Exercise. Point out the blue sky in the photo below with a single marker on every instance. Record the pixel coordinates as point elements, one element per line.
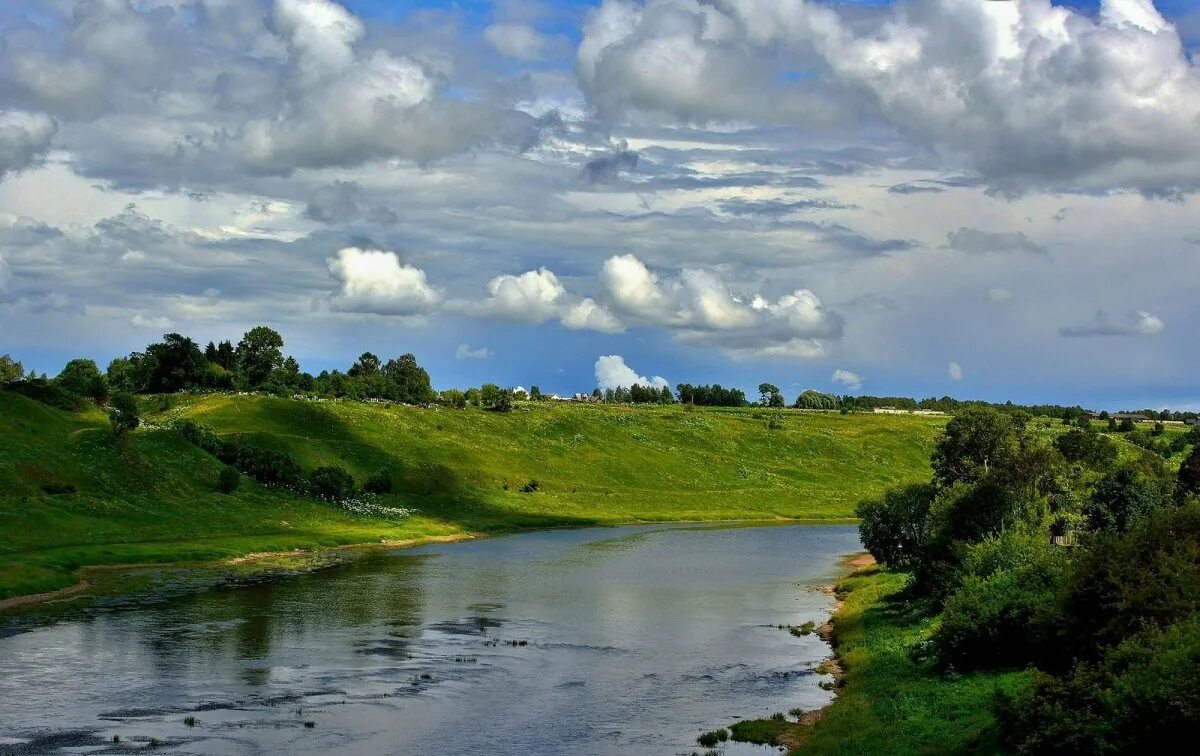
<point>992,200</point>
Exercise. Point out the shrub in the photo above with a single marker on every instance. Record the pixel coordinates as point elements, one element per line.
<point>267,466</point>
<point>711,739</point>
<point>893,527</point>
<point>46,392</point>
<point>1088,448</point>
<point>56,489</point>
<point>331,483</point>
<point>531,487</point>
<point>228,480</point>
<point>82,378</point>
<point>1126,496</point>
<point>123,414</point>
<point>1143,697</point>
<point>199,435</point>
<point>380,482</point>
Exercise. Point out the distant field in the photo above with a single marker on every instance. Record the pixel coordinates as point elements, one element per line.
<point>153,498</point>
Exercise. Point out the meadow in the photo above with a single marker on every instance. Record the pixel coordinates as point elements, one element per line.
<point>74,496</point>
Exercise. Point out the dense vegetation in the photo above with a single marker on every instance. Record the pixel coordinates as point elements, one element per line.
<point>1074,554</point>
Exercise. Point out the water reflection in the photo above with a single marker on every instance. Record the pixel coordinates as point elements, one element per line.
<point>581,642</point>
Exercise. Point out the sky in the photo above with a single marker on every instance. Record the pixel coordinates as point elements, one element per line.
<point>991,199</point>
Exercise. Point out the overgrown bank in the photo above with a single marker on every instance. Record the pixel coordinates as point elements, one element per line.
<point>72,494</point>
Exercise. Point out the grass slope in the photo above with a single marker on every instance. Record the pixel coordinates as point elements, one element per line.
<point>890,703</point>
<point>152,497</point>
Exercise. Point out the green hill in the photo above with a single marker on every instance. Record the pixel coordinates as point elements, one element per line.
<point>152,497</point>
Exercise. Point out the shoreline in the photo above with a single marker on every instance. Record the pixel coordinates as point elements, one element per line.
<point>83,583</point>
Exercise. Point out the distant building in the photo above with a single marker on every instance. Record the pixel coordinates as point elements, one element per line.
<point>894,411</point>
<point>1135,417</point>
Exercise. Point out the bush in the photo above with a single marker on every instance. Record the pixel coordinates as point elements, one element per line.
<point>228,480</point>
<point>1143,697</point>
<point>711,739</point>
<point>1126,496</point>
<point>893,527</point>
<point>531,487</point>
<point>199,435</point>
<point>123,414</point>
<point>331,483</point>
<point>267,466</point>
<point>51,394</point>
<point>380,482</point>
<point>1003,612</point>
<point>1088,448</point>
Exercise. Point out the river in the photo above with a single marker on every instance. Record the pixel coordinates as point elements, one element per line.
<point>596,641</point>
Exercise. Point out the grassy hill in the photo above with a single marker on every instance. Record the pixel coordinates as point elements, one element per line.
<point>152,497</point>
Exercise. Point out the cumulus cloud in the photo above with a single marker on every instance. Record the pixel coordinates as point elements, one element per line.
<point>374,281</point>
<point>974,241</point>
<point>520,41</point>
<point>852,381</point>
<point>955,371</point>
<point>1030,94</point>
<point>700,308</point>
<point>24,139</point>
<point>532,297</point>
<point>612,372</point>
<point>588,314</point>
<point>465,352</point>
<point>1139,323</point>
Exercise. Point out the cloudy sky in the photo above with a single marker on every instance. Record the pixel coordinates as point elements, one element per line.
<point>982,198</point>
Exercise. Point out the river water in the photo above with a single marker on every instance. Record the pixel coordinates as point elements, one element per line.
<point>597,641</point>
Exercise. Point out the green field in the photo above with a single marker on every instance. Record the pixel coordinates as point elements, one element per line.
<point>153,498</point>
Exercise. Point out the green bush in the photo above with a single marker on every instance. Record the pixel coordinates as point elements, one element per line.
<point>123,414</point>
<point>46,392</point>
<point>331,483</point>
<point>228,480</point>
<point>893,527</point>
<point>1142,697</point>
<point>380,482</point>
<point>199,435</point>
<point>267,466</point>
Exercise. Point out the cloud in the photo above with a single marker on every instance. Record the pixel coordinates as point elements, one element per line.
<point>24,139</point>
<point>955,371</point>
<point>532,297</point>
<point>1028,94</point>
<point>612,372</point>
<point>608,168</point>
<point>5,274</point>
<point>700,309</point>
<point>1139,323</point>
<point>589,315</point>
<point>999,296</point>
<point>974,241</point>
<point>852,381</point>
<point>159,323</point>
<point>465,352</point>
<point>374,281</point>
<point>519,41</point>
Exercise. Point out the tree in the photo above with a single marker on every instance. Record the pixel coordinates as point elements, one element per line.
<point>123,414</point>
<point>258,354</point>
<point>1127,496</point>
<point>174,364</point>
<point>892,527</point>
<point>331,483</point>
<point>504,401</point>
<point>975,440</point>
<point>535,394</point>
<point>10,369</point>
<point>489,393</point>
<point>409,381</point>
<point>765,393</point>
<point>367,365</point>
<point>1189,474</point>
<point>1126,425</point>
<point>82,378</point>
<point>228,480</point>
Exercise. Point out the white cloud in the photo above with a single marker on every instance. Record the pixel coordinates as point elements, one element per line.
<point>465,352</point>
<point>612,372</point>
<point>955,371</point>
<point>24,139</point>
<point>852,381</point>
<point>155,323</point>
<point>589,315</point>
<point>532,297</point>
<point>519,41</point>
<point>1139,323</point>
<point>1031,94</point>
<point>999,296</point>
<point>374,281</point>
<point>5,274</point>
<point>700,308</point>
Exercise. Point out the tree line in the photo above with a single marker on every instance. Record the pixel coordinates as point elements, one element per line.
<point>1061,556</point>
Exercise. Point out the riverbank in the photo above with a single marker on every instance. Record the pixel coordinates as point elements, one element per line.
<point>72,496</point>
<point>890,700</point>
